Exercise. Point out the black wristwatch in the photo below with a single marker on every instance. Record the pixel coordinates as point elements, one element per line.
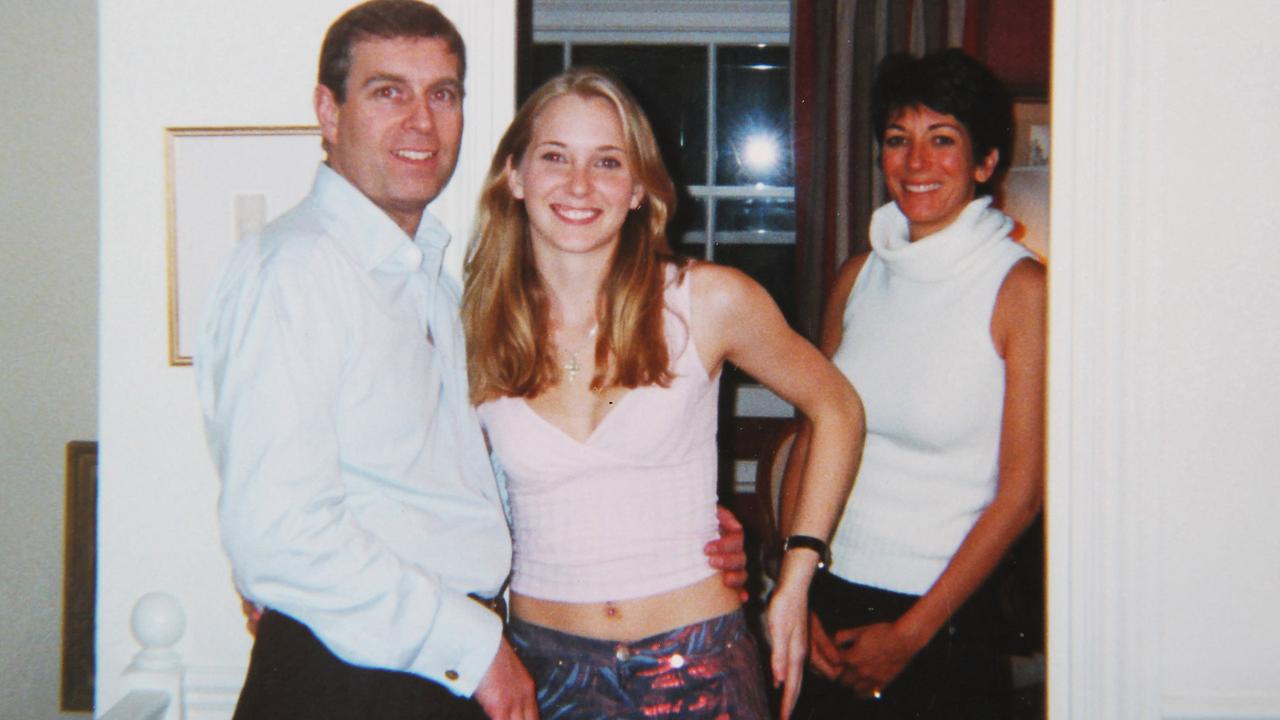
<point>809,542</point>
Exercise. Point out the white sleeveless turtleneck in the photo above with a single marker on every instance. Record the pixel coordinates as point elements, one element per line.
<point>917,345</point>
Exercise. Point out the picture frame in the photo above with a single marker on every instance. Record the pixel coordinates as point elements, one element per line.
<point>1031,140</point>
<point>1025,193</point>
<point>222,183</point>
<point>79,576</point>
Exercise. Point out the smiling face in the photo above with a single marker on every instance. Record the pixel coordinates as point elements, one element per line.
<point>929,168</point>
<point>575,178</point>
<point>396,137</point>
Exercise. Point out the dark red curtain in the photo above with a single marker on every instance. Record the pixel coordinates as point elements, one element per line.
<point>835,46</point>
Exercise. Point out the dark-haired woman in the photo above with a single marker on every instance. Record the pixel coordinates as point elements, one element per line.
<point>941,326</point>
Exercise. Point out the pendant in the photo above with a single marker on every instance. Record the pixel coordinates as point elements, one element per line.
<point>571,368</point>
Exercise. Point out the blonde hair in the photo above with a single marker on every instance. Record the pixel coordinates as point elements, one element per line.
<point>505,310</point>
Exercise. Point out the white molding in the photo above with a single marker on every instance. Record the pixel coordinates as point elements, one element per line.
<point>1103,579</point>
<point>490,31</point>
<point>1225,707</point>
<point>662,21</point>
<point>210,692</point>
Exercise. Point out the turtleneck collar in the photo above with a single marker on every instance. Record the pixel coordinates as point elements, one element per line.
<point>943,253</point>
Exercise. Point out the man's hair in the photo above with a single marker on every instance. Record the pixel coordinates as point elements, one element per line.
<point>952,83</point>
<point>505,309</point>
<point>388,19</point>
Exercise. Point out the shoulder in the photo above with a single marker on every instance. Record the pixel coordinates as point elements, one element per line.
<point>849,271</point>
<point>850,268</point>
<point>291,261</point>
<point>299,247</point>
<point>1021,304</point>
<point>721,291</point>
<point>1026,282</point>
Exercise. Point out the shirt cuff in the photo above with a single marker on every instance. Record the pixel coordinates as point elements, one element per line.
<point>463,641</point>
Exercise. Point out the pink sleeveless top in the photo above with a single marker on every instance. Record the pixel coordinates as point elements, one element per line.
<point>625,513</point>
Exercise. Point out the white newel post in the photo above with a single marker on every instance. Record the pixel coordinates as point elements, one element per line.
<point>158,622</point>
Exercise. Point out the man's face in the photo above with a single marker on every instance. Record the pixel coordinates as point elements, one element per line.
<point>396,137</point>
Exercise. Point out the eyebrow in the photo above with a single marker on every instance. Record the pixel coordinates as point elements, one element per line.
<point>384,77</point>
<point>400,79</point>
<point>562,144</point>
<point>935,126</point>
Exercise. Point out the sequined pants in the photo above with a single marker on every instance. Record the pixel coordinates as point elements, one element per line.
<point>705,670</point>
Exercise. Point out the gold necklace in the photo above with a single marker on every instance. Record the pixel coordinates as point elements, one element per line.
<point>572,367</point>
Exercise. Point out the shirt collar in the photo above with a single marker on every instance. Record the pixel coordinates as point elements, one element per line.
<point>367,234</point>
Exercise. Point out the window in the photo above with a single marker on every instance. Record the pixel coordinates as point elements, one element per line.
<point>714,79</point>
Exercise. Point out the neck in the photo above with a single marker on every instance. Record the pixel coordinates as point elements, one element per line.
<point>573,286</point>
<point>408,223</point>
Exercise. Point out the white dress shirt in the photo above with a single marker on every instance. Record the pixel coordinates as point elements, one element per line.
<point>357,494</point>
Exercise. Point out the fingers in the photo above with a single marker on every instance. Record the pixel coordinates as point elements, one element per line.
<point>727,555</point>
<point>252,614</point>
<point>730,543</point>
<point>848,636</point>
<point>824,656</point>
<point>863,686</point>
<point>729,523</point>
<point>506,691</point>
<point>791,686</point>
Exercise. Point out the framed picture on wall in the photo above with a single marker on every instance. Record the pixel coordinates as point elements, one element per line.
<point>1031,133</point>
<point>1025,195</point>
<point>223,183</point>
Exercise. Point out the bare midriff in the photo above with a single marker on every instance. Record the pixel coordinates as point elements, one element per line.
<point>631,619</point>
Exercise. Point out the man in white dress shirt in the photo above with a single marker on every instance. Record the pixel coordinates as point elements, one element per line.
<point>358,504</point>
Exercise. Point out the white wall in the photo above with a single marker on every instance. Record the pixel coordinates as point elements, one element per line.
<point>195,63</point>
<point>48,323</point>
<point>1165,352</point>
<point>1221,323</point>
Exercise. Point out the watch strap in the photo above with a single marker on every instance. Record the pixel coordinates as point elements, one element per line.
<point>809,542</point>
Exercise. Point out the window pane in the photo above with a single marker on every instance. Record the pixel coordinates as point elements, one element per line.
<point>548,61</point>
<point>773,266</point>
<point>670,81</point>
<point>757,215</point>
<point>688,232</point>
<point>753,116</point>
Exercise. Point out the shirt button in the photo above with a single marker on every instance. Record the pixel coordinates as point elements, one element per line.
<point>451,674</point>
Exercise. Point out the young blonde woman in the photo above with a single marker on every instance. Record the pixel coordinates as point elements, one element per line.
<point>594,356</point>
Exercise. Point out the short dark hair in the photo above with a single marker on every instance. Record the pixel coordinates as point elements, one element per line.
<point>952,83</point>
<point>387,19</point>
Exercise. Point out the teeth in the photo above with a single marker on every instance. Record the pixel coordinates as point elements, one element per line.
<point>415,154</point>
<point>573,214</point>
<point>923,188</point>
